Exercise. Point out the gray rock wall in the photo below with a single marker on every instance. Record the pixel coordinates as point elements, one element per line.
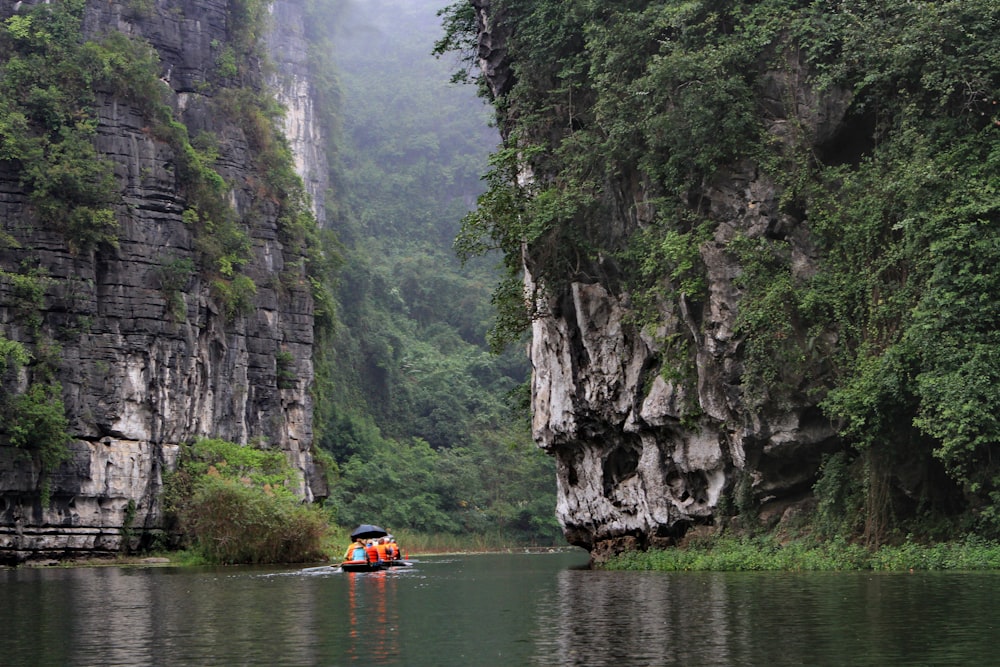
<point>140,371</point>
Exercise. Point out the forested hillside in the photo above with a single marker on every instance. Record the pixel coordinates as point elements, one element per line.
<point>424,425</point>
<point>833,168</point>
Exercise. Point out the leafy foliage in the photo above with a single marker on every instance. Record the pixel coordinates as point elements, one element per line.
<point>35,419</point>
<point>47,124</point>
<point>235,506</point>
<point>233,523</point>
<point>39,423</point>
<point>649,95</point>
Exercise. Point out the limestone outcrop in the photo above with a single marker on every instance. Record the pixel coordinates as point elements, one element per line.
<point>147,357</point>
<point>643,456</point>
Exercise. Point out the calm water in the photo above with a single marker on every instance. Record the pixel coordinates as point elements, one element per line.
<point>494,610</point>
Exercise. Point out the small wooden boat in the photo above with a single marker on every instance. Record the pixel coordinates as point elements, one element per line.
<point>361,566</point>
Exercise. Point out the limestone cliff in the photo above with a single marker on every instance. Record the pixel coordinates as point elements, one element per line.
<point>145,351</point>
<point>288,47</point>
<point>644,452</point>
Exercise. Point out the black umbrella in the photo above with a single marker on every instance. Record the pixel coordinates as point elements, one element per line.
<point>366,530</point>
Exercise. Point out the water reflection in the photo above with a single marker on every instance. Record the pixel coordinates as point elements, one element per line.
<point>510,609</point>
<point>122,614</point>
<point>373,613</point>
<point>630,618</point>
<point>641,618</point>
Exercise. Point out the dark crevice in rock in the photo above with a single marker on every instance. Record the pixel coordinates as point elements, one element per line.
<point>619,465</point>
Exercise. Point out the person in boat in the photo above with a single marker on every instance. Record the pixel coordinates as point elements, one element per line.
<point>356,552</point>
<point>372,552</point>
<point>383,552</point>
<point>391,548</point>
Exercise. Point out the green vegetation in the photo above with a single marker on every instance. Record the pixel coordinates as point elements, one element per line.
<point>175,276</point>
<point>35,417</point>
<point>767,553</point>
<point>415,543</point>
<point>47,123</point>
<point>236,504</point>
<point>424,425</point>
<point>895,333</point>
<point>36,422</point>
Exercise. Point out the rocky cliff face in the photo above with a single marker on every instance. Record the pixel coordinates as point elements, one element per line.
<point>145,365</point>
<point>288,48</point>
<point>641,458</point>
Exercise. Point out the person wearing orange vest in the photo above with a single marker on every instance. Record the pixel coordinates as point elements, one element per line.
<point>356,552</point>
<point>382,551</point>
<point>372,551</point>
<point>392,549</point>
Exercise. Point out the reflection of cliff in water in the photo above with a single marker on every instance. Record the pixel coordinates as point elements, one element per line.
<point>607,618</point>
<point>494,610</point>
<point>761,618</point>
<point>136,617</point>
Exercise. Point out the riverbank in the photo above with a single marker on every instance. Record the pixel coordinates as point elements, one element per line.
<point>716,554</point>
<point>415,545</point>
<point>762,553</point>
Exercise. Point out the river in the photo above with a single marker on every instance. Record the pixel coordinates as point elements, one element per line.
<point>496,609</point>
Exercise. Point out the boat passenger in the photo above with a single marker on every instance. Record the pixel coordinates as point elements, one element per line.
<point>356,552</point>
<point>382,551</point>
<point>390,554</point>
<point>372,552</point>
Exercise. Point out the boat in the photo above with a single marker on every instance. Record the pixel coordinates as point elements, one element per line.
<point>361,566</point>
<point>361,562</point>
<point>373,566</point>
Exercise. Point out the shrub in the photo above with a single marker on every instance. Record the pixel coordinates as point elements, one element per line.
<point>233,504</point>
<point>236,295</point>
<point>232,522</point>
<point>285,369</point>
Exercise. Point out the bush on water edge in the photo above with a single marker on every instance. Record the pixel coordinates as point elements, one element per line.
<point>766,553</point>
<point>234,504</point>
<point>235,523</point>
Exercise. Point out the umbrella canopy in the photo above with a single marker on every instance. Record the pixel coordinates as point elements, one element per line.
<point>366,530</point>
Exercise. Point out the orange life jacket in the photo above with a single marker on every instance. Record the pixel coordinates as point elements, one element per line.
<point>381,551</point>
<point>372,553</point>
